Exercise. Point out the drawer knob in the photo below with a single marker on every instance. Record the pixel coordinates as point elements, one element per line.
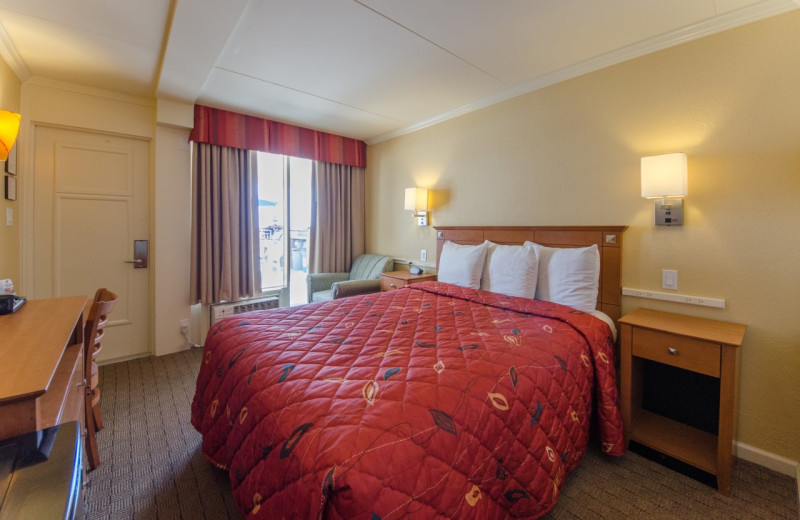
<point>672,351</point>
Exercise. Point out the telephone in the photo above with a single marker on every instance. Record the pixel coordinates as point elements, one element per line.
<point>415,270</point>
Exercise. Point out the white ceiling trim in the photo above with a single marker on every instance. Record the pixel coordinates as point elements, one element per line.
<point>715,25</point>
<point>12,57</point>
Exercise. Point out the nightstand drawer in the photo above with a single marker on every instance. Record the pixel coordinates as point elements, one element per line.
<point>390,284</point>
<point>678,351</point>
<point>397,279</point>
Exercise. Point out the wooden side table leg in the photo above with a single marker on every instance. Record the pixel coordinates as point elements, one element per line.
<point>727,387</point>
<point>626,357</point>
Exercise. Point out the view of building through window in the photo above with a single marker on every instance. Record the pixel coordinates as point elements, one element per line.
<point>284,203</point>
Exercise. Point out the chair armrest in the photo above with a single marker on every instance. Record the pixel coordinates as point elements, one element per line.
<point>320,281</point>
<point>354,287</point>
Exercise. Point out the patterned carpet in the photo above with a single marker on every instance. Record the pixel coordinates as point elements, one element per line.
<point>151,466</point>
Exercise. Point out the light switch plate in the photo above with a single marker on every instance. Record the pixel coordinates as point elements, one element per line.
<point>669,279</point>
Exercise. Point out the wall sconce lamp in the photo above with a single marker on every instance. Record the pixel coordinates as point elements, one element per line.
<point>417,201</point>
<point>9,128</point>
<point>666,176</point>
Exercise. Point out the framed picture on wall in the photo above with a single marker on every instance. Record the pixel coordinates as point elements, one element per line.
<point>11,162</point>
<point>11,188</point>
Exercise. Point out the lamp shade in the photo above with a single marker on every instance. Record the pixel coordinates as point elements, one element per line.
<point>416,199</point>
<point>664,176</point>
<point>9,127</point>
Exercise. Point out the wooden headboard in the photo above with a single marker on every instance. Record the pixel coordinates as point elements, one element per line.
<point>607,238</point>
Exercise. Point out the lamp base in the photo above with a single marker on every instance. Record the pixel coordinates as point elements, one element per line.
<point>669,213</point>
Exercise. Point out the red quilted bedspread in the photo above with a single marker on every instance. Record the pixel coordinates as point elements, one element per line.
<point>427,402</point>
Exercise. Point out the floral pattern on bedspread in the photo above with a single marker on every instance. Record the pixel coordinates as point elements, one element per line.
<point>432,401</point>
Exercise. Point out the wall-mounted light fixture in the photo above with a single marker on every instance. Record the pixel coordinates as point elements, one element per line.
<point>665,176</point>
<point>9,128</point>
<point>417,201</point>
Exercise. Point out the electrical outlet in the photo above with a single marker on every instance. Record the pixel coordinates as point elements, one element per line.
<point>423,255</point>
<point>184,326</point>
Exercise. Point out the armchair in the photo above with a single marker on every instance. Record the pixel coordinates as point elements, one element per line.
<point>364,277</point>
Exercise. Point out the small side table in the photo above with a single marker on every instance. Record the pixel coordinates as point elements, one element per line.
<point>396,279</point>
<point>698,345</point>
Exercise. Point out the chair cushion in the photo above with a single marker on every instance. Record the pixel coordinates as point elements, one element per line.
<point>322,296</point>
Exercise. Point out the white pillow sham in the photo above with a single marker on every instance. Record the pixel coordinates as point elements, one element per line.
<point>511,270</point>
<point>569,276</point>
<point>462,264</point>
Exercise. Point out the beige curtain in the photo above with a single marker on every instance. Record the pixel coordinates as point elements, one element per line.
<point>337,231</point>
<point>224,225</point>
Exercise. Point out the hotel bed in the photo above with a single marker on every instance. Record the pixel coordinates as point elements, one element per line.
<point>438,400</point>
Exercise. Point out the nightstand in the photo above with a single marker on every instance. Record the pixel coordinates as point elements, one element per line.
<point>696,345</point>
<point>396,279</point>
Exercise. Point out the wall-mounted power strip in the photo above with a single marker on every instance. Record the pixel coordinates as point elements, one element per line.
<point>672,297</point>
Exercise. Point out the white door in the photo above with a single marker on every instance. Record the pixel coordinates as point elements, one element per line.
<point>90,204</point>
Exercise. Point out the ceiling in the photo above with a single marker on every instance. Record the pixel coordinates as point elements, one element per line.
<point>369,69</point>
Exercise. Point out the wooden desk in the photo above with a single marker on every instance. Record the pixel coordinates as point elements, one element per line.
<point>41,375</point>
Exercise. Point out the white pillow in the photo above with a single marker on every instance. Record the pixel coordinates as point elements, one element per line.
<point>569,276</point>
<point>461,264</point>
<point>511,270</point>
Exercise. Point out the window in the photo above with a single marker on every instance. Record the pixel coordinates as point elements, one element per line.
<point>284,203</point>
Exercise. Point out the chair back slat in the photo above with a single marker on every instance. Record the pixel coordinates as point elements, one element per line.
<point>94,332</point>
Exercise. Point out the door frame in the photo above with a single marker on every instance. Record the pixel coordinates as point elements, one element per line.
<point>26,216</point>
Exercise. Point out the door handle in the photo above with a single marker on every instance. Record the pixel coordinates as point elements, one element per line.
<point>139,254</point>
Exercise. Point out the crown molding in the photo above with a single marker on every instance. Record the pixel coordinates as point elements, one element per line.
<point>686,34</point>
<point>85,90</point>
<point>12,57</point>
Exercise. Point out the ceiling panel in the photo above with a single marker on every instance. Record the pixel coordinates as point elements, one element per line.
<point>363,60</point>
<point>529,38</point>
<point>140,22</point>
<point>60,52</point>
<point>282,104</point>
<point>197,36</point>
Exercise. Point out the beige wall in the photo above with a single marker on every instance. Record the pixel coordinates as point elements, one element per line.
<point>9,235</point>
<point>172,215</point>
<point>56,103</point>
<point>569,154</point>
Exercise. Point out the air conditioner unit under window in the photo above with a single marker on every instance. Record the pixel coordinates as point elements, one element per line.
<point>223,310</point>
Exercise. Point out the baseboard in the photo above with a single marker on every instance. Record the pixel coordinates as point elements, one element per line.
<point>124,358</point>
<point>768,460</point>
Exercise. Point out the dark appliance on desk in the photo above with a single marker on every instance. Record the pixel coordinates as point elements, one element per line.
<point>10,303</point>
<point>41,475</point>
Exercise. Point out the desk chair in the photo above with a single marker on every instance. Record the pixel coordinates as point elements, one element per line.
<point>104,302</point>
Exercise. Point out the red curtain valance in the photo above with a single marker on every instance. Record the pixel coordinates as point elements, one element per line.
<point>224,128</point>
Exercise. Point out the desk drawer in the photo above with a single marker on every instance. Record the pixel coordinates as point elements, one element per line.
<point>678,351</point>
<point>76,392</point>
